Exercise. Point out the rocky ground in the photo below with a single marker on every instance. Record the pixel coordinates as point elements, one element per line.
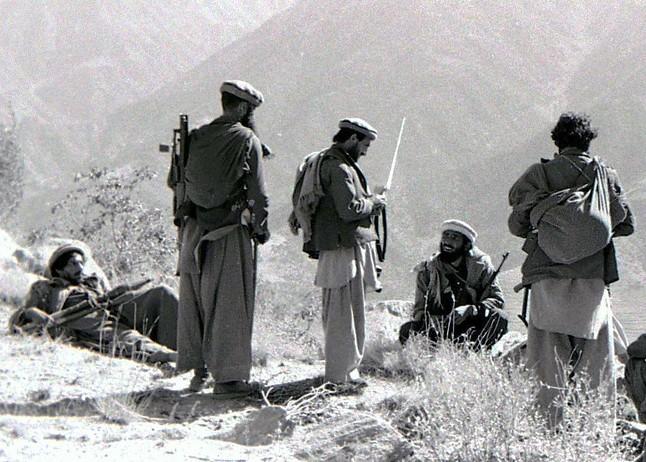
<point>57,402</point>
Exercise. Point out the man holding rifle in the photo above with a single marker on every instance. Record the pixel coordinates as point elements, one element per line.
<point>342,240</point>
<point>225,212</point>
<point>457,295</point>
<point>124,321</point>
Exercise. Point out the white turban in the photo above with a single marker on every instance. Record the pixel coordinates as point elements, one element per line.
<point>460,227</point>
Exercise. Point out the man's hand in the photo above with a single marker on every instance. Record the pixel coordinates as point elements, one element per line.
<point>38,316</point>
<point>294,225</point>
<point>378,203</point>
<point>461,313</point>
<point>262,238</point>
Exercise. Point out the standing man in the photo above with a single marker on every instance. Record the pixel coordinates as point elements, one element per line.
<point>570,328</point>
<point>342,239</point>
<point>457,295</point>
<point>227,210</point>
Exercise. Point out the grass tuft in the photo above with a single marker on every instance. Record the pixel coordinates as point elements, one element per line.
<point>461,405</point>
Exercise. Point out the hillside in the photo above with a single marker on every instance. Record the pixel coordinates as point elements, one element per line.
<point>66,64</point>
<point>481,85</point>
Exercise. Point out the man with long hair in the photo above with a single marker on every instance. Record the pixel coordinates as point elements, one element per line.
<point>143,327</point>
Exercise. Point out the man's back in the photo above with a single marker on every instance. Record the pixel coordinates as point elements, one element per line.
<point>216,161</point>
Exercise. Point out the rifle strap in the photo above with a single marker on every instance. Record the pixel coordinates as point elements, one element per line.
<point>382,235</point>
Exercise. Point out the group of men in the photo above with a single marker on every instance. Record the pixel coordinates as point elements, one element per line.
<point>457,295</point>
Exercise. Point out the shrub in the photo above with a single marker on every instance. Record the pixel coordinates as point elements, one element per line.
<point>129,239</point>
<point>12,166</point>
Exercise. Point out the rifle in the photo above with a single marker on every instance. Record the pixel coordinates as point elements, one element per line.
<point>176,175</point>
<point>495,273</point>
<point>115,297</point>
<point>382,236</point>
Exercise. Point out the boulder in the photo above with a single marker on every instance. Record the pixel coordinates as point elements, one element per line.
<point>20,267</point>
<point>383,321</point>
<point>261,427</point>
<point>42,250</point>
<point>15,280</point>
<point>511,347</point>
<point>354,436</point>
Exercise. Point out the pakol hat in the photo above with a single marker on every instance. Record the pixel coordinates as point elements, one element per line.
<point>460,227</point>
<point>59,252</point>
<point>243,90</point>
<point>360,126</point>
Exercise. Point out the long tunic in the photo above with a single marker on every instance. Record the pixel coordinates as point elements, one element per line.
<point>216,263</point>
<point>556,356</point>
<point>346,262</point>
<point>570,321</point>
<point>216,302</point>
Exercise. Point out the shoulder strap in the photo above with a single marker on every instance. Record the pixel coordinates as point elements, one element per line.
<point>595,160</point>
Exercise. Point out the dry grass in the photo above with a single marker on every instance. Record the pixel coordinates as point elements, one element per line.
<point>462,406</point>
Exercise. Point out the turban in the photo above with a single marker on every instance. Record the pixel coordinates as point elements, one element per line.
<point>460,227</point>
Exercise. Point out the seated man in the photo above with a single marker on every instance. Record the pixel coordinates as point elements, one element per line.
<point>109,321</point>
<point>457,296</point>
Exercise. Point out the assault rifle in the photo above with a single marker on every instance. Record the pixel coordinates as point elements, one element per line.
<point>176,175</point>
<point>113,298</point>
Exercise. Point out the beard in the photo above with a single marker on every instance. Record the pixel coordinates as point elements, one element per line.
<point>249,120</point>
<point>449,256</point>
<point>353,152</point>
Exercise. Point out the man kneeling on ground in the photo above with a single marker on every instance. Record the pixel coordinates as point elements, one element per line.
<point>457,296</point>
<point>109,321</point>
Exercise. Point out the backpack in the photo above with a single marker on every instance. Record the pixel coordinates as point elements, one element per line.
<point>575,223</point>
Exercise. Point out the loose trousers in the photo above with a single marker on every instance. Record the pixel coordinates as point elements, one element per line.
<point>217,308</point>
<point>344,329</point>
<point>559,359</point>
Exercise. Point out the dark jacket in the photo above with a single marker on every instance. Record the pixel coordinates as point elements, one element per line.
<point>224,175</point>
<point>550,176</point>
<point>479,271</point>
<point>343,216</point>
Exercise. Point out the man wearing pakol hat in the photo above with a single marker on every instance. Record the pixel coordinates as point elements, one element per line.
<point>456,295</point>
<point>226,212</point>
<point>337,204</point>
<point>143,328</point>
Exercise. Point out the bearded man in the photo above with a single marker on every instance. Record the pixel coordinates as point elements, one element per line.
<point>144,327</point>
<point>226,212</point>
<point>457,297</point>
<point>342,240</point>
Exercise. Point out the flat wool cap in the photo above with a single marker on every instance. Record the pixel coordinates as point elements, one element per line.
<point>460,227</point>
<point>359,126</point>
<point>64,250</point>
<point>242,90</point>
